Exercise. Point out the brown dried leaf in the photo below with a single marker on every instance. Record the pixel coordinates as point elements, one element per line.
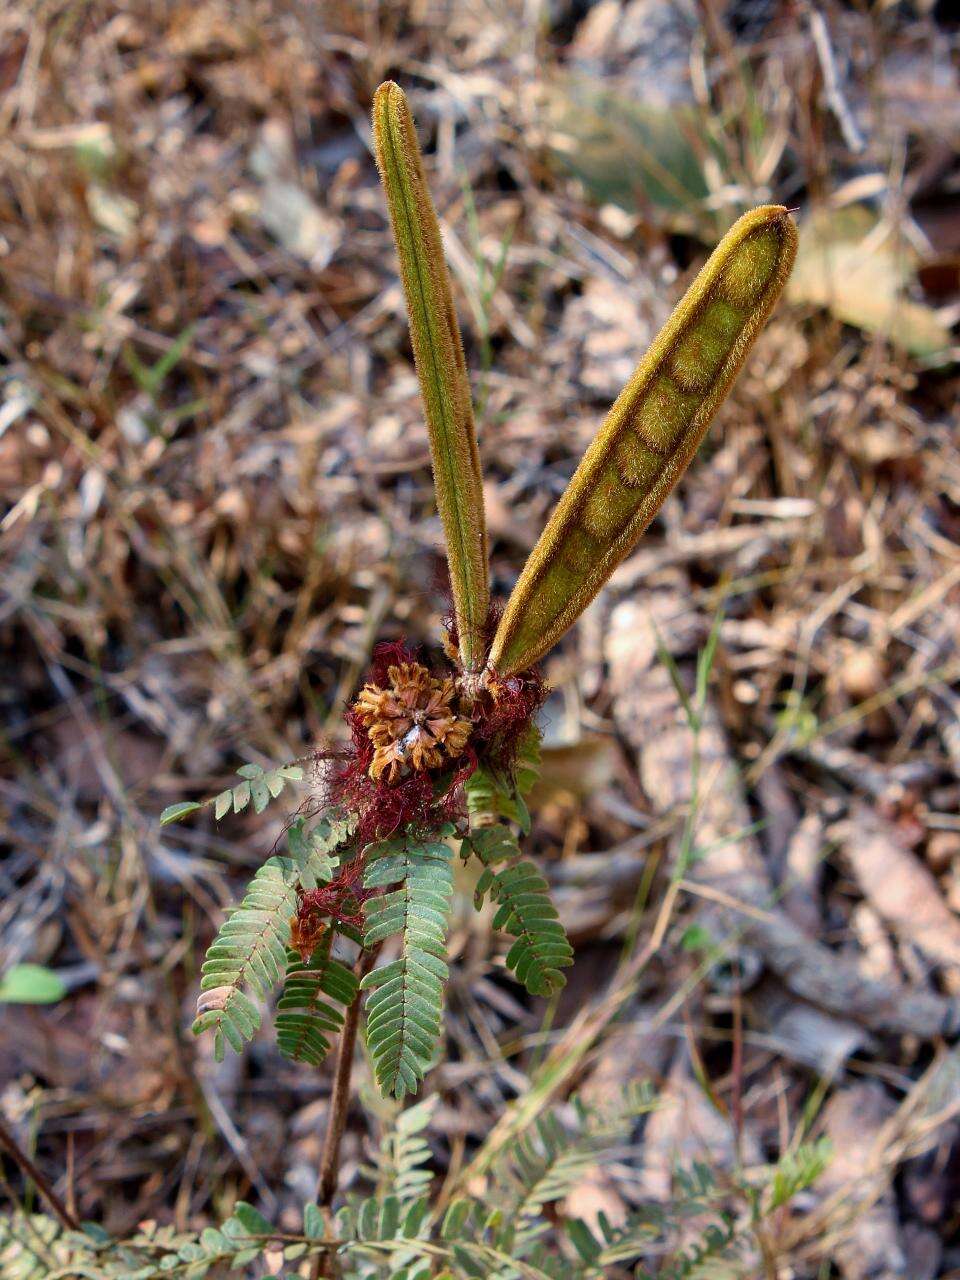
<point>901,889</point>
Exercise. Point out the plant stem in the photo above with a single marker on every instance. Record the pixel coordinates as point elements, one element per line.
<point>339,1106</point>
<point>29,1170</point>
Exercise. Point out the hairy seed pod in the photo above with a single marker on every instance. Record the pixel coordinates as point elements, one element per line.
<point>650,435</point>
<point>438,352</point>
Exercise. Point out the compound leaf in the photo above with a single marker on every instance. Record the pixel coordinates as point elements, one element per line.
<point>405,998</point>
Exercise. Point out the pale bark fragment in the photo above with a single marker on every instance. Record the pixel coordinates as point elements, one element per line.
<point>900,888</point>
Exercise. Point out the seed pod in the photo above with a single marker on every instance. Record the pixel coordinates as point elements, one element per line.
<point>438,352</point>
<point>649,437</point>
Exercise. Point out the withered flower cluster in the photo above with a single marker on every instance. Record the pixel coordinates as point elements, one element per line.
<point>412,723</point>
<point>417,737</point>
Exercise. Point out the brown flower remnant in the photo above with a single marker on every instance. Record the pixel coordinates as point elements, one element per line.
<point>412,722</point>
<point>339,903</point>
<point>306,932</point>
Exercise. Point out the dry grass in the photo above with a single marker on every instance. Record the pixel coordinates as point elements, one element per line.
<point>216,481</point>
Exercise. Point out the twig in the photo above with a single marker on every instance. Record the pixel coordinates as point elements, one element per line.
<point>831,83</point>
<point>339,1105</point>
<point>29,1170</point>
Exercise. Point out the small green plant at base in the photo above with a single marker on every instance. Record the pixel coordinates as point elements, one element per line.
<point>525,1229</point>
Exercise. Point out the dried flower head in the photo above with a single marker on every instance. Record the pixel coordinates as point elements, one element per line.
<point>306,931</point>
<point>338,903</point>
<point>412,722</point>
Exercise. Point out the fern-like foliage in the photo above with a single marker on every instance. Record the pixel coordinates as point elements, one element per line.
<point>312,848</point>
<point>541,948</point>
<point>29,1244</point>
<point>257,784</point>
<point>798,1169</point>
<point>505,1236</point>
<point>482,1246</point>
<point>519,1230</point>
<point>405,997</point>
<point>35,1247</point>
<point>495,794</point>
<point>721,1243</point>
<point>542,1166</point>
<point>607,1244</point>
<point>719,1247</point>
<point>491,798</point>
<point>403,1153</point>
<point>250,951</point>
<point>398,1214</point>
<point>526,766</point>
<point>310,1009</point>
<point>381,1230</point>
<point>547,1163</point>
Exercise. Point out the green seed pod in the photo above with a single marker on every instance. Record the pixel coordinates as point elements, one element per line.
<point>649,437</point>
<point>438,352</point>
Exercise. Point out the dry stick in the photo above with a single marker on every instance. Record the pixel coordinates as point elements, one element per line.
<point>339,1104</point>
<point>29,1170</point>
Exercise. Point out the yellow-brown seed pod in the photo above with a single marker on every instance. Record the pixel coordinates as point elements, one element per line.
<point>441,369</point>
<point>649,437</point>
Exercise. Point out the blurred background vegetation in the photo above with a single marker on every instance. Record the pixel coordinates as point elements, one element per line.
<point>216,497</point>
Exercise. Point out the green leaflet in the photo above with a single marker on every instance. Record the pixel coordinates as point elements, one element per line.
<point>250,951</point>
<point>309,1011</point>
<point>541,948</point>
<point>404,1151</point>
<point>400,1209</point>
<point>438,352</point>
<point>492,795</point>
<point>312,848</point>
<point>405,998</point>
<point>259,785</point>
